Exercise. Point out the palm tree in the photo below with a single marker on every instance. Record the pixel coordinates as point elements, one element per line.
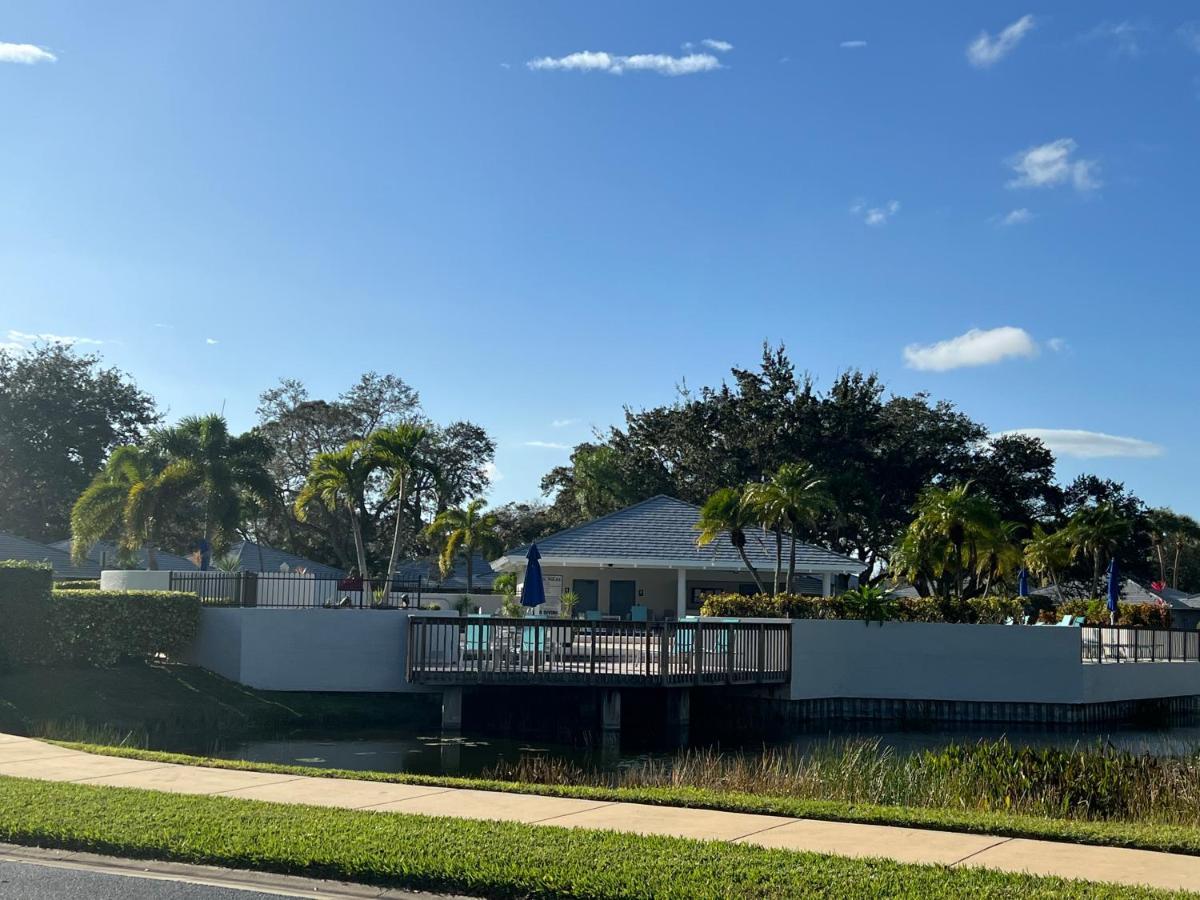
<point>122,498</point>
<point>338,480</point>
<point>1000,553</point>
<point>770,510</point>
<point>467,530</point>
<point>948,522</point>
<point>725,512</point>
<point>203,456</point>
<point>802,495</point>
<point>397,451</point>
<point>1047,553</point>
<point>1097,531</point>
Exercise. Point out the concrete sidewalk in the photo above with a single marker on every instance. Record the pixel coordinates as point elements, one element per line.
<point>26,758</point>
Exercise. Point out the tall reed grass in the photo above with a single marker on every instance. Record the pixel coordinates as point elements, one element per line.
<point>1098,783</point>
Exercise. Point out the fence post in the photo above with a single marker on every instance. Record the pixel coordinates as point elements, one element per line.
<point>664,659</point>
<point>762,651</point>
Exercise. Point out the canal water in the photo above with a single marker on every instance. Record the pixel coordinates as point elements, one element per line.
<point>428,752</point>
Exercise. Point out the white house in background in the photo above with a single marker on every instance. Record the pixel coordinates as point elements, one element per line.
<point>646,555</point>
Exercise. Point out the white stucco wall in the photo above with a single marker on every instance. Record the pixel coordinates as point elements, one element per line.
<point>306,649</point>
<point>987,663</point>
<point>134,580</point>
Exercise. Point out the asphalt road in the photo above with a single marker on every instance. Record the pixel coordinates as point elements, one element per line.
<point>32,881</point>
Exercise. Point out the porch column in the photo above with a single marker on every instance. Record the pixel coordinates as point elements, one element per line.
<point>680,593</point>
<point>826,584</point>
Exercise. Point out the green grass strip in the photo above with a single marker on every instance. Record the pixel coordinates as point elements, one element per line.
<point>480,858</point>
<point>1137,835</point>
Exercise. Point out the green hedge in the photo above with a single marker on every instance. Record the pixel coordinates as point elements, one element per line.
<point>40,625</point>
<point>104,628</point>
<point>79,584</point>
<point>24,598</point>
<point>982,610</point>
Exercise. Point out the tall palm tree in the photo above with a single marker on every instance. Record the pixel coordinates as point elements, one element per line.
<point>724,512</point>
<point>397,451</point>
<point>468,530</point>
<point>338,480</point>
<point>1047,553</point>
<point>122,499</point>
<point>1096,532</point>
<point>202,456</point>
<point>999,553</point>
<point>802,495</point>
<point>771,512</point>
<point>951,527</point>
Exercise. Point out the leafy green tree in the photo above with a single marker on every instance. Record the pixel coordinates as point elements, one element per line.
<point>725,512</point>
<point>467,530</point>
<point>1171,532</point>
<point>397,452</point>
<point>1096,532</point>
<point>122,502</point>
<point>204,459</point>
<point>61,414</point>
<point>338,480</point>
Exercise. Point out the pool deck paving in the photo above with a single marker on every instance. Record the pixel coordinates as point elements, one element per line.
<point>27,758</point>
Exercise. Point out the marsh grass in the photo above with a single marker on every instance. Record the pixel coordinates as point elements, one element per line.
<point>1096,783</point>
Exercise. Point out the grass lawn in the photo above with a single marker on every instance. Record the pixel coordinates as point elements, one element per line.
<point>1170,838</point>
<point>482,858</point>
<point>142,700</point>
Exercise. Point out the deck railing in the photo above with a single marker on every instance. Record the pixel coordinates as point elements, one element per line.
<point>291,590</point>
<point>485,649</point>
<point>1117,644</point>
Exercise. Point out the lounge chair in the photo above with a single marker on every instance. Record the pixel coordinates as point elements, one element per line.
<point>1065,621</point>
<point>639,614</point>
<point>1008,620</point>
<point>592,615</point>
<point>478,635</point>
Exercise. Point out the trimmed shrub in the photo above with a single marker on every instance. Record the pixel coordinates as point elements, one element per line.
<point>105,628</point>
<point>24,595</point>
<point>981,610</point>
<point>80,584</point>
<point>1136,615</point>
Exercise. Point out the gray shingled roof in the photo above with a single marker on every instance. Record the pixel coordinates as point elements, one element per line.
<point>13,547</point>
<point>427,570</point>
<point>663,529</point>
<point>247,554</point>
<point>105,555</point>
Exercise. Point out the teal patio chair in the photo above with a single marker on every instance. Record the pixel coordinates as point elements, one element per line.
<point>533,640</point>
<point>639,614</point>
<point>1065,621</point>
<point>592,615</point>
<point>478,634</point>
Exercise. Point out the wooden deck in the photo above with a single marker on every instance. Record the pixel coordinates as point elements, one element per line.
<point>489,650</point>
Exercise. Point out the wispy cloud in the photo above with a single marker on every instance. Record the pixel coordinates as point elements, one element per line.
<point>1057,344</point>
<point>25,54</point>
<point>563,423</point>
<point>986,50</point>
<point>1126,37</point>
<point>719,46</point>
<point>211,341</point>
<point>1089,444</point>
<point>491,473</point>
<point>976,347</point>
<point>1052,164</point>
<point>852,45</point>
<point>599,61</point>
<point>546,445</point>
<point>875,216</point>
<point>1015,217</point>
<point>21,340</point>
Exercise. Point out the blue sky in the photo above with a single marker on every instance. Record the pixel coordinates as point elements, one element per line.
<point>537,213</point>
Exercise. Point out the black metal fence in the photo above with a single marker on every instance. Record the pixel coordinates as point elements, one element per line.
<point>296,591</point>
<point>1116,644</point>
<point>537,650</point>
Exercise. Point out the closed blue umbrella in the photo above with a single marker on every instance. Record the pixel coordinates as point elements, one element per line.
<point>1114,591</point>
<point>1023,582</point>
<point>534,592</point>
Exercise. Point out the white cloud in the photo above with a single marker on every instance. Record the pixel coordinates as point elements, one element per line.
<point>506,65</point>
<point>1126,37</point>
<point>547,445</point>
<point>852,45</point>
<point>26,54</point>
<point>875,216</point>
<point>1049,165</point>
<point>563,423</point>
<point>491,473</point>
<point>162,325</point>
<point>599,61</point>
<point>975,348</point>
<point>211,341</point>
<point>986,50</point>
<point>719,46</point>
<point>1057,344</point>
<point>1016,217</point>
<point>1189,33</point>
<point>1089,444</point>
<point>19,340</point>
